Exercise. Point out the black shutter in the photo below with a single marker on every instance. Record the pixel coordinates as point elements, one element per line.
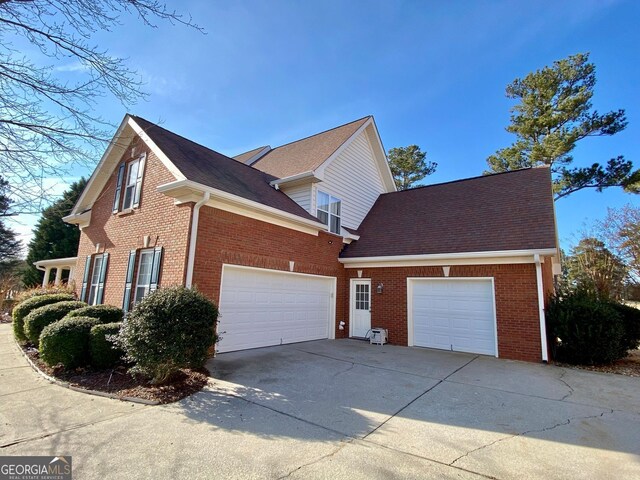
<point>116,199</point>
<point>85,279</point>
<point>126,300</point>
<point>155,269</point>
<point>136,197</point>
<point>103,274</point>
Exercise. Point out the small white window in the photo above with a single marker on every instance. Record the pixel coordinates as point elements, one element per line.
<point>95,280</point>
<point>143,282</point>
<point>130,184</point>
<point>328,211</point>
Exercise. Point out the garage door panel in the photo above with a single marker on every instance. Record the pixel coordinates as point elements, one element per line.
<point>454,314</point>
<point>265,307</point>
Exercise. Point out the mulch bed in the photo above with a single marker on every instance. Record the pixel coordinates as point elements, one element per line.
<point>119,382</point>
<point>629,366</point>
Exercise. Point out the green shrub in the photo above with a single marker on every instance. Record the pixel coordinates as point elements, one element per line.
<point>39,318</point>
<point>66,342</point>
<point>102,313</point>
<point>48,290</point>
<point>631,321</point>
<point>585,330</point>
<point>171,328</point>
<point>26,306</point>
<point>104,354</point>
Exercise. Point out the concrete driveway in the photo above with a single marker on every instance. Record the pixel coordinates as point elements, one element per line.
<point>338,409</point>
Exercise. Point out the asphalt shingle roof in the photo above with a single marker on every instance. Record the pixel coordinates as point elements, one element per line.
<point>506,211</point>
<point>208,167</point>
<point>307,154</point>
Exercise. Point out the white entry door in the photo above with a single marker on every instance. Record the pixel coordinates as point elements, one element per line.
<point>453,314</point>
<point>260,308</point>
<point>360,307</point>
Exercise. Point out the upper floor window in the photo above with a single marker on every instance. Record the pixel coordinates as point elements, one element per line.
<point>129,184</point>
<point>328,211</point>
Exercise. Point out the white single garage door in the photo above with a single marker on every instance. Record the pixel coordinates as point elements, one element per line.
<point>453,314</point>
<point>260,308</point>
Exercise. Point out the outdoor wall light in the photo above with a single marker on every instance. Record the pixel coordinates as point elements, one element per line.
<point>380,288</point>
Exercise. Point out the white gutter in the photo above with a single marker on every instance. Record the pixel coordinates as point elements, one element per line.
<point>448,256</point>
<point>294,178</point>
<point>194,237</point>
<point>229,197</point>
<point>543,325</point>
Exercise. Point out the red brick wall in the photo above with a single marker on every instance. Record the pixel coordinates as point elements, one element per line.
<point>516,303</point>
<point>225,237</point>
<point>166,224</point>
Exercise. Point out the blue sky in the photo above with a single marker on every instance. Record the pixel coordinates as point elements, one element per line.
<point>432,74</point>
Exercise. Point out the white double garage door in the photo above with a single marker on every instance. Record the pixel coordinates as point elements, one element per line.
<point>456,314</point>
<point>261,307</point>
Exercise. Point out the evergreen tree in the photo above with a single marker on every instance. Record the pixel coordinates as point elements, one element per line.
<point>53,238</point>
<point>408,166</point>
<point>10,246</point>
<point>555,112</point>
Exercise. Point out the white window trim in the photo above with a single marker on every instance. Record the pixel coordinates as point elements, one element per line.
<point>95,273</point>
<point>332,199</point>
<point>146,251</point>
<point>126,185</point>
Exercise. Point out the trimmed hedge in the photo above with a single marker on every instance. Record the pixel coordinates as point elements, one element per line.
<point>66,342</point>
<point>170,329</point>
<point>25,307</point>
<point>585,330</point>
<point>631,321</point>
<point>39,318</point>
<point>103,352</point>
<point>103,313</point>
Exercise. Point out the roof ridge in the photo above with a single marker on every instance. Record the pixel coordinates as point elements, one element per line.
<point>200,145</point>
<point>477,177</point>
<point>320,133</point>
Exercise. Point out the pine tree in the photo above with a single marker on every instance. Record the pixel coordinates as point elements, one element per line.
<point>53,238</point>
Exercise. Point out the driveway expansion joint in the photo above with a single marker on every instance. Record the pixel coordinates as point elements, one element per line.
<point>420,396</point>
<point>323,457</point>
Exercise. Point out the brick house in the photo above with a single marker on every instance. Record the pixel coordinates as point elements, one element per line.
<point>310,240</point>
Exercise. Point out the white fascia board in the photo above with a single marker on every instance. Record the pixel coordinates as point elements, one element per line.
<point>323,166</point>
<point>56,262</point>
<point>383,164</point>
<point>169,165</point>
<point>81,219</point>
<point>295,179</point>
<point>258,156</point>
<point>98,170</point>
<point>286,219</point>
<point>466,258</point>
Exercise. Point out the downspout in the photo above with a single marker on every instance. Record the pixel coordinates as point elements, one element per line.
<point>194,237</point>
<point>543,325</point>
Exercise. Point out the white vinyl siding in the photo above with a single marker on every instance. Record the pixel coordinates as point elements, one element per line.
<point>354,178</point>
<point>301,194</point>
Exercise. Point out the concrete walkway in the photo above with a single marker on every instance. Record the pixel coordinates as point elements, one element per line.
<point>338,409</point>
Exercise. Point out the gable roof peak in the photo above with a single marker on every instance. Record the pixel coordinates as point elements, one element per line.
<point>308,153</point>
